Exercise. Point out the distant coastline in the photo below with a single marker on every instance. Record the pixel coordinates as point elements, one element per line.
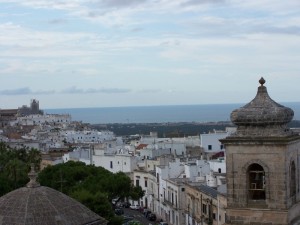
<point>158,114</point>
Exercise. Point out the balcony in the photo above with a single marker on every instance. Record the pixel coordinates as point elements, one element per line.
<point>172,205</point>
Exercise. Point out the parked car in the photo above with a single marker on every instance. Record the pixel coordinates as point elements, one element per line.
<point>163,223</point>
<point>119,204</point>
<point>126,204</point>
<point>135,206</point>
<point>152,217</point>
<point>147,213</point>
<point>119,211</point>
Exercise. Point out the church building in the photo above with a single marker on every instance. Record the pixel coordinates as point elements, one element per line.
<point>262,162</point>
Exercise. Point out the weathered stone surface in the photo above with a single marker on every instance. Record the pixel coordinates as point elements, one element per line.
<point>42,206</point>
<point>262,138</point>
<point>262,116</point>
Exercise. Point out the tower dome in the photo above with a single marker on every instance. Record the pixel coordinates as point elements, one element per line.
<point>262,116</point>
<point>38,205</point>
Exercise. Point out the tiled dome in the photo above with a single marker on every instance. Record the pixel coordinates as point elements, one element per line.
<point>38,205</point>
<point>262,112</point>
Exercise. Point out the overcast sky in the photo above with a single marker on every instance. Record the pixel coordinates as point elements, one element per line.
<point>100,53</point>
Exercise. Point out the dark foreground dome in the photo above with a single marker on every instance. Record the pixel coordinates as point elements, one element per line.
<point>262,116</point>
<point>38,205</point>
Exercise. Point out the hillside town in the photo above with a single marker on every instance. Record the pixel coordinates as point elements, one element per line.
<point>179,175</point>
<point>191,180</point>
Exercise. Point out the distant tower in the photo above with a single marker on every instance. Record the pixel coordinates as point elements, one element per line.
<point>262,164</point>
<point>34,106</point>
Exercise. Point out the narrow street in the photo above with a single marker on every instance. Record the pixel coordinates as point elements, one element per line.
<point>139,216</point>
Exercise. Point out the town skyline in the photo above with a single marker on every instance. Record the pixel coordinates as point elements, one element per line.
<point>97,53</point>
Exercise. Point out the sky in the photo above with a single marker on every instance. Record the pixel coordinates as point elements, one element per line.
<point>111,53</point>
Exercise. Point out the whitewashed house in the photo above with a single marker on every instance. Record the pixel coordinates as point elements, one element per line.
<point>88,136</point>
<point>123,162</point>
<point>210,142</point>
<point>38,119</point>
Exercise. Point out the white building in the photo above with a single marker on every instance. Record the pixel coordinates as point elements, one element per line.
<point>81,154</point>
<point>37,119</point>
<point>210,142</point>
<point>115,162</point>
<point>164,172</point>
<point>88,136</point>
<point>218,165</point>
<point>165,147</point>
<point>196,171</point>
<point>174,201</point>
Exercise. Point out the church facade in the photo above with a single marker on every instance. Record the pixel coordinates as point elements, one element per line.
<point>262,162</point>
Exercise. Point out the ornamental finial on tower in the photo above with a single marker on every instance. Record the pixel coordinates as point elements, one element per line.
<point>262,116</point>
<point>262,81</point>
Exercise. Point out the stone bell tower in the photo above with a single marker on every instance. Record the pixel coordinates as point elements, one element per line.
<point>262,163</point>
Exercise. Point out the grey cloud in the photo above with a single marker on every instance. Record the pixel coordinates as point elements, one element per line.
<point>150,91</point>
<point>137,29</point>
<point>218,27</point>
<point>120,3</point>
<point>24,91</point>
<point>293,30</point>
<point>199,2</point>
<point>75,90</point>
<point>57,21</point>
<point>41,92</point>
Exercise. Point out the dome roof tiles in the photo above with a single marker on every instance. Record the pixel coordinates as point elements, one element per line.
<point>38,205</point>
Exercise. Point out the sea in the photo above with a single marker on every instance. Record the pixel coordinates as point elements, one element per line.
<point>158,114</point>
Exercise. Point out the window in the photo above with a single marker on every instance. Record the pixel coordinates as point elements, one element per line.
<point>137,183</point>
<point>209,147</point>
<point>214,216</point>
<point>204,209</point>
<point>146,183</point>
<point>111,164</point>
<point>221,147</point>
<point>219,170</point>
<point>256,178</point>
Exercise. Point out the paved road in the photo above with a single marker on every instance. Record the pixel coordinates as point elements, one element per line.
<point>137,215</point>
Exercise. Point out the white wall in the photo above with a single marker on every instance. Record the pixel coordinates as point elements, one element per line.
<point>198,169</point>
<point>88,136</point>
<point>116,163</point>
<point>215,165</point>
<point>212,140</point>
<point>37,119</point>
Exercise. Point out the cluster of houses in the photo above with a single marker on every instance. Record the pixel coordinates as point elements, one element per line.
<point>186,180</point>
<point>183,178</point>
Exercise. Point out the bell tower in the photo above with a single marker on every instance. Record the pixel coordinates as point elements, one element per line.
<point>262,164</point>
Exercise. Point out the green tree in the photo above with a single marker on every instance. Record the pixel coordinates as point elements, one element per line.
<point>14,166</point>
<point>97,202</point>
<point>16,171</point>
<point>4,185</point>
<point>134,222</point>
<point>34,156</point>
<point>93,186</point>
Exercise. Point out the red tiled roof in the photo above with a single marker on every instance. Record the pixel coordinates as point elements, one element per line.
<point>141,146</point>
